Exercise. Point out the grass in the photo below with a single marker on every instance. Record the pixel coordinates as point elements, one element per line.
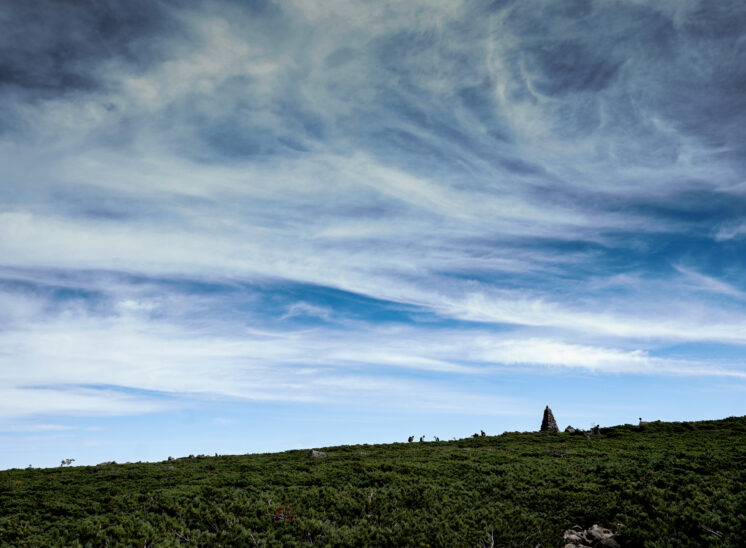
<point>662,484</point>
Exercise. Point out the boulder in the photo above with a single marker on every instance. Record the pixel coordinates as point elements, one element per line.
<point>548,424</point>
<point>595,536</point>
<point>316,454</point>
<point>597,533</point>
<point>570,430</point>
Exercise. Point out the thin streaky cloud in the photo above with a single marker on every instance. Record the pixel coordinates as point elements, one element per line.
<point>325,205</point>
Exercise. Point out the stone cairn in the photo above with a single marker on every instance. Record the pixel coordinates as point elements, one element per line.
<point>548,424</point>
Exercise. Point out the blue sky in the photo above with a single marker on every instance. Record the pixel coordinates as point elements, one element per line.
<point>252,226</point>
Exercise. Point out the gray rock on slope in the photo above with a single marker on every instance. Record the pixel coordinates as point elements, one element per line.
<point>593,537</point>
<point>316,454</point>
<point>548,424</point>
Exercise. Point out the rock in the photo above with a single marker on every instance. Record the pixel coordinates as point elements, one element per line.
<point>594,536</point>
<point>596,533</point>
<point>316,454</point>
<point>570,430</point>
<point>548,424</point>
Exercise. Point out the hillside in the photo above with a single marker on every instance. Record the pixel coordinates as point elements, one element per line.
<point>661,484</point>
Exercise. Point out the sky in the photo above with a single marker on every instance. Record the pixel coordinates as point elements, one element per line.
<point>234,227</point>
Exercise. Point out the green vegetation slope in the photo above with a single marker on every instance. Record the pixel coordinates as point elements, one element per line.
<point>663,484</point>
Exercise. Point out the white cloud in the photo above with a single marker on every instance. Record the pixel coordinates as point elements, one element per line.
<point>386,272</point>
<point>19,401</point>
<point>136,305</point>
<point>306,309</point>
<point>46,363</point>
<point>547,352</point>
<point>730,231</point>
<point>702,282</point>
<point>218,54</point>
<point>445,227</point>
<point>32,427</point>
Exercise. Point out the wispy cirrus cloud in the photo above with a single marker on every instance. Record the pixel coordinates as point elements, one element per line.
<point>307,202</point>
<point>731,230</point>
<point>177,349</point>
